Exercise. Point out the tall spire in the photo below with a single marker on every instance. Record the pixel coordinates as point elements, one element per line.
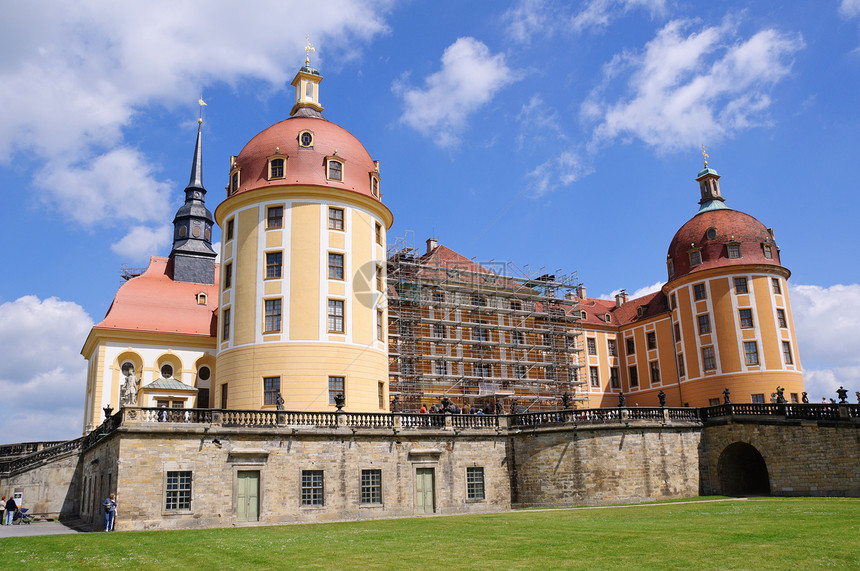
<point>192,257</point>
<point>307,84</point>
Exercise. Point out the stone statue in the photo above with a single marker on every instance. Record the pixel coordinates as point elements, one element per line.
<point>395,404</point>
<point>857,394</point>
<point>661,396</point>
<point>842,393</point>
<point>566,401</point>
<point>279,401</point>
<point>339,401</point>
<point>128,390</point>
<point>780,395</point>
<point>622,401</point>
<point>805,398</point>
<point>727,396</point>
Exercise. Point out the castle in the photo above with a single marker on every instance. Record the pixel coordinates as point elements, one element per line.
<point>286,381</point>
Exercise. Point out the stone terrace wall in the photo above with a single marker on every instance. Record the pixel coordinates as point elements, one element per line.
<point>280,455</point>
<point>47,489</point>
<point>605,464</point>
<point>804,458</point>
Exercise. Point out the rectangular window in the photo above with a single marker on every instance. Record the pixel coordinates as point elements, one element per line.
<point>312,487</point>
<point>671,266</point>
<point>378,233</point>
<point>274,263</point>
<point>371,486</point>
<point>479,300</point>
<point>380,325</point>
<point>271,389</point>
<point>613,378</point>
<point>516,306</point>
<point>714,402</point>
<point>517,338</point>
<point>768,251</point>
<point>441,368</point>
<point>610,346</point>
<point>699,292</point>
<point>438,331</point>
<point>673,301</point>
<point>380,279</point>
<point>228,275</point>
<point>275,217</point>
<point>335,170</point>
<point>483,371</point>
<point>591,343</point>
<point>786,352</point>
<point>741,285</point>
<point>273,315</point>
<point>746,317</point>
<point>482,334</point>
<point>631,346</point>
<point>695,258</point>
<point>225,324</point>
<point>276,168</point>
<point>335,266</point>
<point>775,284</point>
<point>594,376</point>
<point>734,250</point>
<point>520,371</point>
<point>677,332</point>
<point>652,340</point>
<point>335,387</point>
<point>751,352</point>
<point>474,483</point>
<point>780,318</point>
<point>704,323</point>
<point>178,491</point>
<point>709,360</point>
<point>681,371</point>
<point>634,377</point>
<point>230,227</point>
<point>335,218</point>
<point>335,316</point>
<point>380,394</point>
<point>655,372</point>
<point>757,398</point>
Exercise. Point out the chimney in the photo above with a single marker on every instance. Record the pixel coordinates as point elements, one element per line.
<point>580,291</point>
<point>431,244</point>
<point>620,298</point>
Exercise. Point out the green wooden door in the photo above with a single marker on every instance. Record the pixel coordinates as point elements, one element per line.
<point>248,496</point>
<point>424,500</point>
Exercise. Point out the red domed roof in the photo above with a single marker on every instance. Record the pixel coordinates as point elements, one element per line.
<point>730,227</point>
<point>305,165</point>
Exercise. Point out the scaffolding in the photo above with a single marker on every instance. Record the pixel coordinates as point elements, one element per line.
<point>480,334</point>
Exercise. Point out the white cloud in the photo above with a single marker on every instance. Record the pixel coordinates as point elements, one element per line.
<point>469,79</point>
<point>849,8</point>
<point>541,17</point>
<point>645,290</point>
<point>141,242</point>
<point>826,320</point>
<point>75,73</point>
<point>688,87</point>
<point>563,169</point>
<point>43,376</point>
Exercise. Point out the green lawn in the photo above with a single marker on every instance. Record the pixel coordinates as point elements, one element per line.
<point>765,533</point>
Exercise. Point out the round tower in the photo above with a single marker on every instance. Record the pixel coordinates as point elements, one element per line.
<point>728,296</point>
<point>302,312</point>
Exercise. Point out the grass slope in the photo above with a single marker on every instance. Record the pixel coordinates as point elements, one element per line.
<point>766,533</point>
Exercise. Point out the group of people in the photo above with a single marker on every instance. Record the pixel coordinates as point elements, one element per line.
<point>8,509</point>
<point>448,406</point>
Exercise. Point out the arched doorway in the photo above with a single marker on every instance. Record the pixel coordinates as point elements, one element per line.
<point>743,471</point>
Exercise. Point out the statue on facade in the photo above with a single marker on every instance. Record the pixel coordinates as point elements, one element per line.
<point>128,390</point>
<point>395,404</point>
<point>727,396</point>
<point>566,401</point>
<point>499,408</point>
<point>780,395</point>
<point>661,396</point>
<point>857,394</point>
<point>339,401</point>
<point>842,393</point>
<point>805,398</point>
<point>622,401</point>
<point>279,401</point>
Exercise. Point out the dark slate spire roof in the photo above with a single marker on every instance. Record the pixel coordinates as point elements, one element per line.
<point>192,258</point>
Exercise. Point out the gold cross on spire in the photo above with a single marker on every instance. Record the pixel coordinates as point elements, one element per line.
<point>308,49</point>
<point>705,156</point>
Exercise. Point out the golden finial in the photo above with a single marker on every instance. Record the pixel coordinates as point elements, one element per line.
<point>308,49</point>
<point>705,156</point>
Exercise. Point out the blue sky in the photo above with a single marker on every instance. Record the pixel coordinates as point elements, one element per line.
<point>559,136</point>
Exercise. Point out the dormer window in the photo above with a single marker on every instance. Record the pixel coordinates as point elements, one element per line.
<point>334,168</point>
<point>670,263</point>
<point>583,315</point>
<point>277,164</point>
<point>695,257</point>
<point>768,251</point>
<point>374,184</point>
<point>733,249</point>
<point>201,298</point>
<point>234,182</point>
<point>607,318</point>
<point>711,233</point>
<point>306,139</point>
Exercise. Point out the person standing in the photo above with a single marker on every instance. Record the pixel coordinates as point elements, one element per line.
<point>2,510</point>
<point>110,512</point>
<point>11,508</point>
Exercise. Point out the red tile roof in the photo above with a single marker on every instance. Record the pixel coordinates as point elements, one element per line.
<point>153,302</point>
